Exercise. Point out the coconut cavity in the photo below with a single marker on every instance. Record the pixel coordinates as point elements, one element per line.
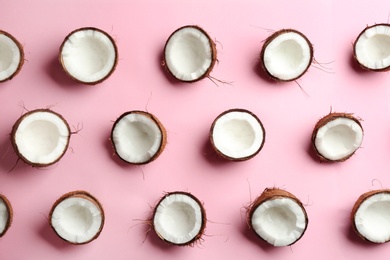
<point>337,136</point>
<point>89,55</point>
<point>40,137</point>
<point>189,54</point>
<point>11,56</point>
<point>6,215</point>
<point>138,137</point>
<point>278,217</point>
<point>179,218</point>
<point>77,217</point>
<point>372,48</point>
<point>237,134</point>
<point>286,55</point>
<point>371,214</point>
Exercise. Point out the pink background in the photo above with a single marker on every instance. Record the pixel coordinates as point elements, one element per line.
<point>140,29</point>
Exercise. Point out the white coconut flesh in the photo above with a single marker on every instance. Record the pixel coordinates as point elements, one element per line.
<point>238,134</point>
<point>188,53</point>
<point>77,220</point>
<point>137,137</point>
<point>89,55</point>
<point>4,216</point>
<point>10,55</point>
<point>287,56</point>
<point>42,137</point>
<point>178,219</point>
<point>372,48</point>
<point>339,138</point>
<point>372,218</point>
<point>280,221</point>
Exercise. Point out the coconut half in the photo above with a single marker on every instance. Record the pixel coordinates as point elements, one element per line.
<point>371,215</point>
<point>77,217</point>
<point>278,217</point>
<point>11,56</point>
<point>372,48</point>
<point>286,55</point>
<point>237,134</point>
<point>337,136</point>
<point>179,218</point>
<point>189,54</point>
<point>6,215</point>
<point>89,55</point>
<point>40,137</point>
<point>138,137</point>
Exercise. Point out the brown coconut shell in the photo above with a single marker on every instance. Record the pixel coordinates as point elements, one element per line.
<point>222,155</point>
<point>78,194</point>
<point>270,39</point>
<point>272,194</point>
<point>354,48</point>
<point>16,126</point>
<point>98,30</point>
<point>198,237</point>
<point>10,214</point>
<point>323,121</point>
<point>357,204</point>
<point>158,123</point>
<point>21,60</point>
<point>213,53</point>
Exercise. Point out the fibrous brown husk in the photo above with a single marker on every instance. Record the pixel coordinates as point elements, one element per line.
<point>78,194</point>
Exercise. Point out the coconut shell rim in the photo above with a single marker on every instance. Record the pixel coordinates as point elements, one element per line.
<point>323,121</point>
<point>272,37</point>
<point>84,195</point>
<point>16,126</point>
<point>361,199</point>
<point>94,29</point>
<point>159,125</point>
<point>354,49</point>
<point>272,194</point>
<point>10,211</point>
<point>213,49</point>
<point>203,212</point>
<point>21,59</point>
<point>221,154</point>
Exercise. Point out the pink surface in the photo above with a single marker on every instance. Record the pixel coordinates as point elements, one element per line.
<point>140,29</point>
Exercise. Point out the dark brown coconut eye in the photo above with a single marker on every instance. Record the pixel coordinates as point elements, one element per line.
<point>77,217</point>
<point>337,136</point>
<point>372,48</point>
<point>189,54</point>
<point>278,217</point>
<point>89,55</point>
<point>138,137</point>
<point>11,56</point>
<point>179,218</point>
<point>237,134</point>
<point>286,55</point>
<point>40,137</point>
<point>6,215</point>
<point>371,214</point>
